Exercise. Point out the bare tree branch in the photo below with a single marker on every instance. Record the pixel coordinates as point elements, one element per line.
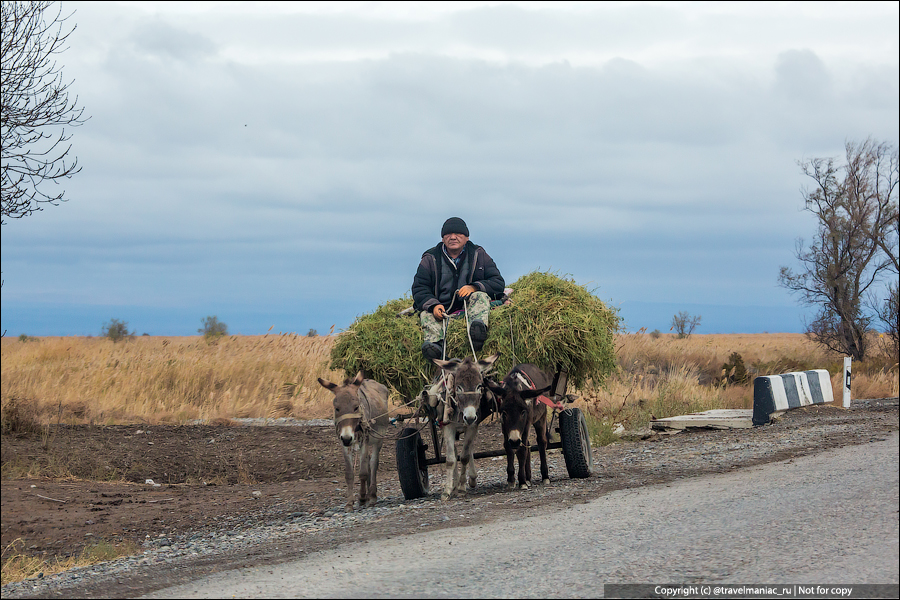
<point>36,108</point>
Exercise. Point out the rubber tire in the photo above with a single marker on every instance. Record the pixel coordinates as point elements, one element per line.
<point>576,443</point>
<point>411,466</point>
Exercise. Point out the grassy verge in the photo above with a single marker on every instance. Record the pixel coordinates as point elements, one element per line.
<point>18,564</point>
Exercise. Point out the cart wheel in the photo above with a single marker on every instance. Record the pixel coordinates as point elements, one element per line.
<point>576,443</point>
<point>411,465</point>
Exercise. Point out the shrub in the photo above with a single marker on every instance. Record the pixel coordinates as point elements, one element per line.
<point>20,417</point>
<point>312,333</point>
<point>116,330</point>
<point>734,371</point>
<point>601,432</point>
<point>213,328</point>
<point>655,334</point>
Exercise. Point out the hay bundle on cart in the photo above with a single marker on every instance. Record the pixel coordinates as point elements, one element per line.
<point>549,321</point>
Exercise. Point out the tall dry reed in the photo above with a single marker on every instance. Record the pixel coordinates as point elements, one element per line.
<point>662,375</point>
<point>182,379</point>
<point>169,379</point>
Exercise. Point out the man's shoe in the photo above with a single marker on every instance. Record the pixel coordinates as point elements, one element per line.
<point>478,332</point>
<point>432,350</point>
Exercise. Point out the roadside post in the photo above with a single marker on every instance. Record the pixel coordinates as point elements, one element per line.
<point>847,361</point>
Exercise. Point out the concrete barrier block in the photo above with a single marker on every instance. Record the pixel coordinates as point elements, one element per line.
<point>774,394</point>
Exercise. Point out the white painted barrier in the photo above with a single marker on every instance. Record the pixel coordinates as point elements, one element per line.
<point>774,394</point>
<point>847,362</point>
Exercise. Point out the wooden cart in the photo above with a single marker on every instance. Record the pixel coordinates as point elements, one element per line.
<point>413,453</point>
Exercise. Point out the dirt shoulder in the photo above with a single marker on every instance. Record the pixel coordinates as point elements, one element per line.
<point>239,496</point>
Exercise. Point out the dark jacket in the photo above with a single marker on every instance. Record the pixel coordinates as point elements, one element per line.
<point>437,278</point>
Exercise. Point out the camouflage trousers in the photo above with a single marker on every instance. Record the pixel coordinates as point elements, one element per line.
<point>478,305</point>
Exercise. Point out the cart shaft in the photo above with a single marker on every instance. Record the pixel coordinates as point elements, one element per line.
<point>491,453</point>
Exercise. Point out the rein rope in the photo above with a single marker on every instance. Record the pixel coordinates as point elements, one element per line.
<point>449,397</point>
<point>348,416</point>
<point>469,331</point>
<point>446,319</point>
<point>366,424</point>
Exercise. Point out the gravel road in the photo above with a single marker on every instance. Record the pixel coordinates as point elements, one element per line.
<point>829,518</point>
<point>695,505</point>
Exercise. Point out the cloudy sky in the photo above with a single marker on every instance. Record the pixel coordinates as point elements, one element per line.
<point>285,164</point>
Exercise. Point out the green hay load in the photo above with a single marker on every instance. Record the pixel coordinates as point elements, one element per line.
<point>550,322</point>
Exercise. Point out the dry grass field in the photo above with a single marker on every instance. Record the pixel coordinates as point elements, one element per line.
<point>178,380</point>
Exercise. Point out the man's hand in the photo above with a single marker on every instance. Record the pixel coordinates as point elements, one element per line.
<point>438,312</point>
<point>465,290</point>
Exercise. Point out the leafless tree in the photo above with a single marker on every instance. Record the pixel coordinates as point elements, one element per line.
<point>889,313</point>
<point>854,249</point>
<point>36,108</point>
<point>684,324</point>
<point>888,240</point>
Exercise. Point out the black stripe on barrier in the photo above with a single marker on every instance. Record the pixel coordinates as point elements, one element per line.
<point>763,403</point>
<point>791,391</point>
<point>815,387</point>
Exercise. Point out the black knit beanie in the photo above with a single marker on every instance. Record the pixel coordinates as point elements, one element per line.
<point>454,225</point>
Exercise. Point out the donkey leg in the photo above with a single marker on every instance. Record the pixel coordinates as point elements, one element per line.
<point>363,488</point>
<point>374,453</point>
<point>527,461</point>
<point>463,468</point>
<point>521,454</point>
<point>542,441</point>
<point>468,458</point>
<point>348,477</point>
<point>364,452</point>
<point>510,465</point>
<point>450,467</point>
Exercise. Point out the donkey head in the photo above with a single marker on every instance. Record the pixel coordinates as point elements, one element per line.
<point>465,384</point>
<point>516,409</point>
<point>433,394</point>
<point>347,414</point>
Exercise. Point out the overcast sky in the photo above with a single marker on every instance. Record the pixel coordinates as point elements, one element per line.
<point>285,164</point>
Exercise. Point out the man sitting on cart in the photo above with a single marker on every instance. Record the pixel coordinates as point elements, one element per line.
<point>454,278</point>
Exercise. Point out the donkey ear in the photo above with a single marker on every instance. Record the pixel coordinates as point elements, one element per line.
<point>446,365</point>
<point>327,384</point>
<point>498,390</point>
<point>485,363</point>
<point>529,394</point>
<point>358,379</point>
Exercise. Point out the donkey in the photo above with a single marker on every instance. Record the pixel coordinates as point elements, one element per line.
<point>520,409</point>
<point>463,409</point>
<point>361,421</point>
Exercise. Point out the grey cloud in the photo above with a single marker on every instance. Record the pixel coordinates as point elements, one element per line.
<point>614,28</point>
<point>504,28</point>
<point>433,108</point>
<point>157,38</point>
<point>396,131</point>
<point>801,76</point>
